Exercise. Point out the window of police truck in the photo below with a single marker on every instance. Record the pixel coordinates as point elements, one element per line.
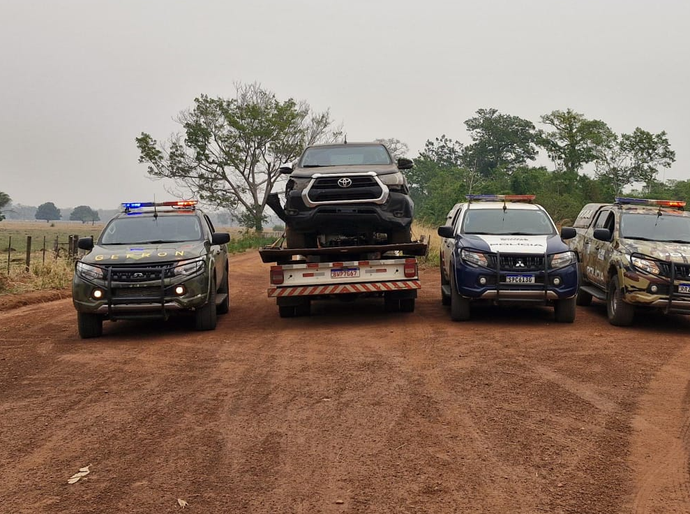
<point>508,222</point>
<point>149,229</point>
<point>665,227</point>
<point>350,155</point>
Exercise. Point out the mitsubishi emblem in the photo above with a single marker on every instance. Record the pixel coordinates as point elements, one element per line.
<point>345,182</point>
<point>519,264</point>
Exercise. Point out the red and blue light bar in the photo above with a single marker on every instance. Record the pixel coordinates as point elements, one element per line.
<point>677,204</point>
<point>127,206</point>
<point>500,198</point>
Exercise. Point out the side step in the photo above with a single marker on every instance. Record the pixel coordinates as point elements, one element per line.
<point>595,292</point>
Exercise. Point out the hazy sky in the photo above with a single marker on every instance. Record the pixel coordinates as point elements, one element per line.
<point>82,78</point>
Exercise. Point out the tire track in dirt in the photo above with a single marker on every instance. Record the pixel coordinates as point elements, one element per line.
<point>661,441</point>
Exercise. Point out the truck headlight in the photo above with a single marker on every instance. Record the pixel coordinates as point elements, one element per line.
<point>476,258</point>
<point>187,268</point>
<point>392,179</point>
<point>560,260</point>
<point>645,265</point>
<point>89,272</point>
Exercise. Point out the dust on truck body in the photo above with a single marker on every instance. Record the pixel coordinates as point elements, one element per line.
<point>300,276</point>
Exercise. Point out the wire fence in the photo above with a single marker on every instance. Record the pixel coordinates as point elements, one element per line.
<point>41,250</point>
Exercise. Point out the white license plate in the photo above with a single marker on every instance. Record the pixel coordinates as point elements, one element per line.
<point>520,279</point>
<point>684,288</point>
<point>345,273</point>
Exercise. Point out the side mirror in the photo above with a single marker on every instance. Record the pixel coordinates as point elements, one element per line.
<point>446,231</point>
<point>285,169</point>
<point>405,164</point>
<point>220,238</point>
<point>85,243</point>
<point>602,234</point>
<point>568,232</point>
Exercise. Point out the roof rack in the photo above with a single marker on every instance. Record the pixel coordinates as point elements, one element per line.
<point>500,198</point>
<point>675,204</point>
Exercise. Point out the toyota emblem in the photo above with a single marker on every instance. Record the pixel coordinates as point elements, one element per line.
<point>345,182</point>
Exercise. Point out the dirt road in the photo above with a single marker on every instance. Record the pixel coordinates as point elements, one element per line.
<point>350,410</point>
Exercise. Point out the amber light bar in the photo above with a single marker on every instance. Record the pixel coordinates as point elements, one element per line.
<point>678,204</point>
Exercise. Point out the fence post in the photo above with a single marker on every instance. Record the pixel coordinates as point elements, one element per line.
<point>56,247</point>
<point>28,253</point>
<point>44,250</point>
<point>9,254</point>
<point>75,246</point>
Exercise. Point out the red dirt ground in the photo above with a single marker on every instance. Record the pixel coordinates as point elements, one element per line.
<point>350,410</point>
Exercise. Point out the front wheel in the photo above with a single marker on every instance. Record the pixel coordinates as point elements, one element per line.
<point>400,236</point>
<point>459,305</point>
<point>564,310</point>
<point>90,325</point>
<point>620,314</point>
<point>206,316</point>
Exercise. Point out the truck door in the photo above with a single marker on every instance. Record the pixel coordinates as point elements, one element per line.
<point>596,251</point>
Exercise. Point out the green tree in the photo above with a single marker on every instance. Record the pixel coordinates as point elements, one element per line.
<point>439,180</point>
<point>499,141</point>
<point>84,213</point>
<point>647,152</point>
<point>232,148</point>
<point>634,157</point>
<point>47,211</point>
<point>4,201</point>
<point>573,141</point>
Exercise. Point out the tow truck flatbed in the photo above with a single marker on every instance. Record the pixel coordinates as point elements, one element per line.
<point>277,254</point>
<point>385,271</point>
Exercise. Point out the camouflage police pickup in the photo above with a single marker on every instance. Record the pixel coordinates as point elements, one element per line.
<point>634,253</point>
<point>152,260</point>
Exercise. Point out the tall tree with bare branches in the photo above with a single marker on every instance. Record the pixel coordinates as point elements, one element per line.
<point>231,149</point>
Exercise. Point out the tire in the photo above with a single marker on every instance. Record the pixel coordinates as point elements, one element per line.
<point>400,236</point>
<point>445,299</point>
<point>224,306</point>
<point>207,316</point>
<point>304,309</point>
<point>583,298</point>
<point>391,304</point>
<point>620,314</point>
<point>407,304</point>
<point>459,306</point>
<point>564,310</point>
<point>287,311</point>
<point>90,325</point>
<point>294,239</point>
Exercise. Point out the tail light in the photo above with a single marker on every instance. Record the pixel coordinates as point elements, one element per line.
<point>277,276</point>
<point>410,268</point>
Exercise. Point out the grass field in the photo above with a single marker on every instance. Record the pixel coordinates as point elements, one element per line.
<point>51,271</point>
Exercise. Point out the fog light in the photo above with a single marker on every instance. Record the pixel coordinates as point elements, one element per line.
<point>97,294</point>
<point>180,290</point>
<point>398,214</point>
<point>654,289</point>
<point>557,281</point>
<point>482,281</point>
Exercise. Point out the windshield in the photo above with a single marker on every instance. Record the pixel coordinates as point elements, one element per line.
<point>654,227</point>
<point>346,155</point>
<point>147,229</point>
<point>508,222</point>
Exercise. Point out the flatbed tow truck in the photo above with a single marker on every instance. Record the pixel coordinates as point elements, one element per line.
<point>301,275</point>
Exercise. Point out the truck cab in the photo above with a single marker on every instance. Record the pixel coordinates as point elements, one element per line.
<point>503,249</point>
